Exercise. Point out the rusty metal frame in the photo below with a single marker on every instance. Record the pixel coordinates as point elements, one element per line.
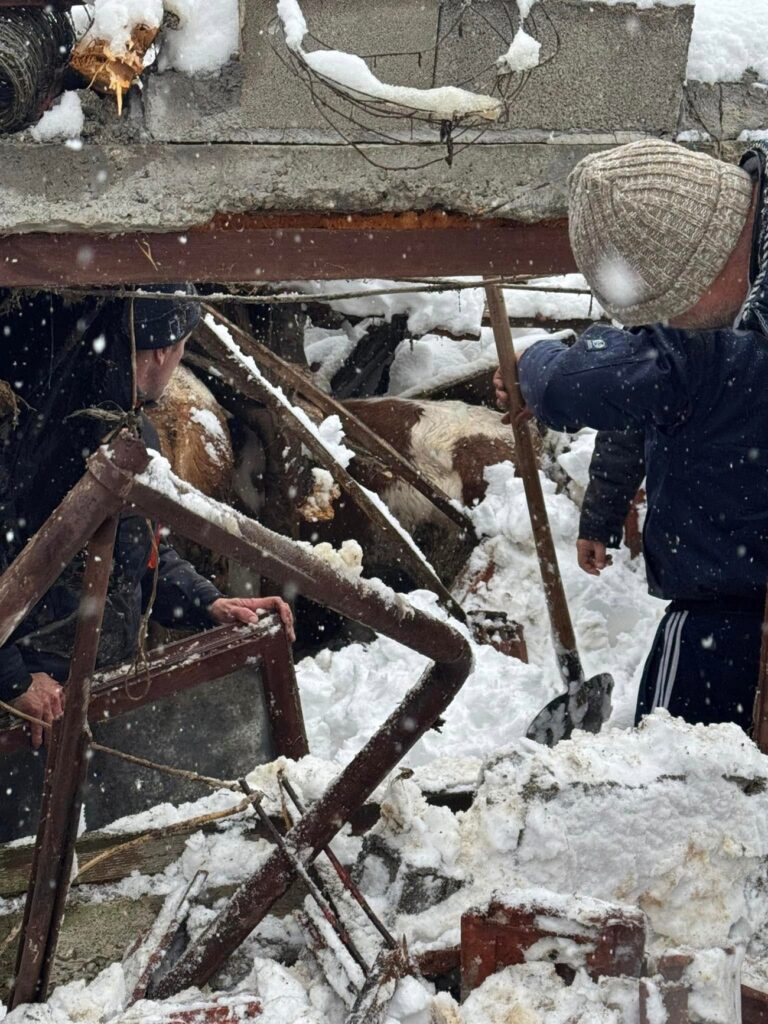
<point>221,650</point>
<point>262,247</point>
<point>63,788</point>
<point>109,484</point>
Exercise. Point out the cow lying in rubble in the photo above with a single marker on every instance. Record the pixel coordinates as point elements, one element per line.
<point>451,444</point>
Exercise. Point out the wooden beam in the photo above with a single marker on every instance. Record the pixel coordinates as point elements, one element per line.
<point>295,247</point>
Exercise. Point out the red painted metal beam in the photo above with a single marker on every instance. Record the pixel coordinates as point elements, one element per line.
<point>295,247</point>
<point>63,789</point>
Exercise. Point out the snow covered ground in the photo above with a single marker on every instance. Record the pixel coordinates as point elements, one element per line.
<point>669,818</point>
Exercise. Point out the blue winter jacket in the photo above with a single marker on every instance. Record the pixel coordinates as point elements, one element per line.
<point>702,398</point>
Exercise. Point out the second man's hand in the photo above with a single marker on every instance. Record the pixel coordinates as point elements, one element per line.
<point>43,700</point>
<point>249,609</point>
<point>592,556</point>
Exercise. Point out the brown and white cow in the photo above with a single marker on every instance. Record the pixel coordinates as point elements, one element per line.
<point>450,443</point>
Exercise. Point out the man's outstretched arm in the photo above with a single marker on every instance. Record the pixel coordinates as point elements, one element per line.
<point>185,599</point>
<point>609,379</point>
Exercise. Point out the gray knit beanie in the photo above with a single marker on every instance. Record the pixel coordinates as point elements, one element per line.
<point>652,225</point>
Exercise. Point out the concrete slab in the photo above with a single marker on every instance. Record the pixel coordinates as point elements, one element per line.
<point>261,91</point>
<point>590,78</point>
<point>601,67</point>
<point>725,109</point>
<point>158,187</point>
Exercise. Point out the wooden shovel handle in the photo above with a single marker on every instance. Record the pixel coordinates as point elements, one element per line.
<point>760,713</point>
<point>525,459</point>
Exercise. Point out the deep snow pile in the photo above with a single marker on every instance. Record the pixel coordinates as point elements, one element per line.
<point>671,818</point>
<point>668,817</point>
<point>345,692</point>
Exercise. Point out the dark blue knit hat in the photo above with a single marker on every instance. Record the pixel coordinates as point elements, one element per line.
<point>160,323</point>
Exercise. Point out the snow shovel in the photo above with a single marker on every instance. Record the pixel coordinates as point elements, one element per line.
<point>587,702</point>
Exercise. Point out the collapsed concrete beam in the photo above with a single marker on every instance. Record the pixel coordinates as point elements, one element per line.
<point>172,187</point>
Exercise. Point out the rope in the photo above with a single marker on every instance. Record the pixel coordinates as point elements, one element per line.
<point>34,51</point>
<point>301,298</point>
<point>184,773</point>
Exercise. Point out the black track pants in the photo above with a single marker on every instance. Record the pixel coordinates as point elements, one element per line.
<point>704,663</point>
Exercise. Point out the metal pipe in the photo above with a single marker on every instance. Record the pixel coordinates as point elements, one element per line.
<point>62,796</point>
<point>321,899</point>
<point>98,494</point>
<point>341,871</point>
<point>218,527</point>
<point>221,529</point>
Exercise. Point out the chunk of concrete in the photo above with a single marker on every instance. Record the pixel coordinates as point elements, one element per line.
<point>590,77</point>
<point>602,66</point>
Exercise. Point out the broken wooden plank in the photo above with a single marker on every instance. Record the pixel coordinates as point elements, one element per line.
<point>250,386</point>
<point>292,379</point>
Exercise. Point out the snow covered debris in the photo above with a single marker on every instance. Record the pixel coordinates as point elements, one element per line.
<point>207,37</point>
<point>326,351</point>
<point>458,312</point>
<point>435,359</point>
<point>670,818</point>
<point>614,618</point>
<point>331,433</point>
<point>347,560</point>
<point>352,74</point>
<point>318,505</point>
<point>522,55</point>
<point>534,994</point>
<point>63,121</point>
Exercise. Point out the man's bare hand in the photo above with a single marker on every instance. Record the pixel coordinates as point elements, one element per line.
<point>592,556</point>
<point>44,700</point>
<point>502,401</point>
<point>247,609</point>
<point>502,395</point>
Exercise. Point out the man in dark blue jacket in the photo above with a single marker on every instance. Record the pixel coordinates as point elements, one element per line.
<point>49,456</point>
<point>672,238</point>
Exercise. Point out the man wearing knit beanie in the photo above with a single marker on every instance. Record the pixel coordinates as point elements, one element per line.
<point>672,243</point>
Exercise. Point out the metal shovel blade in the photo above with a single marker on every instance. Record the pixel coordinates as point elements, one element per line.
<point>585,706</point>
